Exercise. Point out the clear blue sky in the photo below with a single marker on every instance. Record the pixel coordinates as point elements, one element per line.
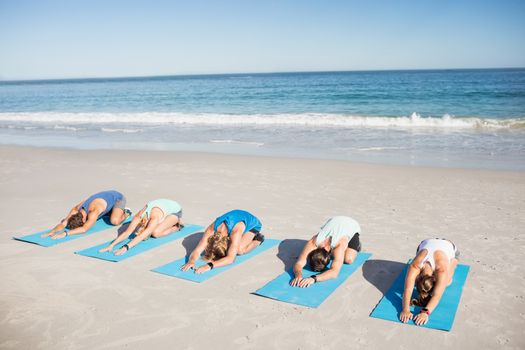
<point>104,38</point>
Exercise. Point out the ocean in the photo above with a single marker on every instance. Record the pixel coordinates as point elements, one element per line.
<point>442,118</point>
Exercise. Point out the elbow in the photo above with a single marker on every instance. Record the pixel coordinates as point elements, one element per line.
<point>413,265</point>
<point>242,251</point>
<point>332,274</point>
<point>439,271</point>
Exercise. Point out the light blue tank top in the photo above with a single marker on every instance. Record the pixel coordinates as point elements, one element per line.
<point>111,198</point>
<point>336,228</point>
<point>168,207</point>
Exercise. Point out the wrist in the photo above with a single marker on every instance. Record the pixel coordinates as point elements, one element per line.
<point>425,311</point>
<point>314,277</point>
<point>210,264</point>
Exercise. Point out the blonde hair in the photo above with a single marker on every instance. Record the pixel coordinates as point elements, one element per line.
<point>142,226</point>
<point>217,247</point>
<point>425,287</point>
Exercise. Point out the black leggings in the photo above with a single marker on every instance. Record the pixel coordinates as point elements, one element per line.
<point>354,243</point>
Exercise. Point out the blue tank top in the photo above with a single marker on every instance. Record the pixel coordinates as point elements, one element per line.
<point>233,217</point>
<point>111,198</point>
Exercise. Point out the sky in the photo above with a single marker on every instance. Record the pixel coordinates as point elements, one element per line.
<point>118,38</point>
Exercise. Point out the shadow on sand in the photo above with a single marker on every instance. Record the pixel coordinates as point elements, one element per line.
<point>382,273</point>
<point>289,250</point>
<point>190,242</point>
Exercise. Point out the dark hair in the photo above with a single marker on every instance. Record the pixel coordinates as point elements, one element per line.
<point>425,287</point>
<point>75,221</point>
<point>318,259</point>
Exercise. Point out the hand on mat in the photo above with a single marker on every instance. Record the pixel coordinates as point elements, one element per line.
<point>202,269</point>
<point>120,251</point>
<point>421,318</point>
<point>295,282</point>
<point>107,249</point>
<point>58,236</point>
<point>405,316</point>
<point>306,282</point>
<point>187,266</point>
<point>50,233</point>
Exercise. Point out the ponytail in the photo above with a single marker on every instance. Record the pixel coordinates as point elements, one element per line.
<point>425,287</point>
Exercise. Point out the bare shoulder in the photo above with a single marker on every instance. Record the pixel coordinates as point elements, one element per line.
<point>97,206</point>
<point>341,245</point>
<point>442,261</point>
<point>419,258</point>
<point>239,227</point>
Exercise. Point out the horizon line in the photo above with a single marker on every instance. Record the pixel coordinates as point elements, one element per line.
<point>251,73</point>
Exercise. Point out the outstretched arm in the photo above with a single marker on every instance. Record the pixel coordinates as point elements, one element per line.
<point>301,262</point>
<point>333,271</point>
<point>231,254</point>
<point>152,224</point>
<point>410,280</point>
<point>62,225</point>
<point>121,237</point>
<point>195,255</point>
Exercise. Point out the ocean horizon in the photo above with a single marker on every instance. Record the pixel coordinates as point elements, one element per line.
<point>190,75</point>
<point>472,118</point>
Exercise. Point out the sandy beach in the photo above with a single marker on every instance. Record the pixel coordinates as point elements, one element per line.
<point>51,298</point>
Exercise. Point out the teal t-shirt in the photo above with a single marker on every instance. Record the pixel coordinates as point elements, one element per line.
<point>336,228</point>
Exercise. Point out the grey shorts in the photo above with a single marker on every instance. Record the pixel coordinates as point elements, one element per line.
<point>121,204</point>
<point>178,214</point>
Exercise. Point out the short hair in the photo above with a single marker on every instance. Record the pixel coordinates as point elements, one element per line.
<point>318,259</point>
<point>75,221</point>
<point>217,247</point>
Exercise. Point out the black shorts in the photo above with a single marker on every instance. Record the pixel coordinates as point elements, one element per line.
<point>354,243</point>
<point>254,231</point>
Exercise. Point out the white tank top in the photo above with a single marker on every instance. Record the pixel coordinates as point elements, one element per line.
<point>433,245</point>
<point>336,228</point>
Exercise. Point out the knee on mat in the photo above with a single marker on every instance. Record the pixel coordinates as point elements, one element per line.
<point>115,221</point>
<point>155,234</point>
<point>348,261</point>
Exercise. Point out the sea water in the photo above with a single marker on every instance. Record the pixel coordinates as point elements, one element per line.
<point>444,118</point>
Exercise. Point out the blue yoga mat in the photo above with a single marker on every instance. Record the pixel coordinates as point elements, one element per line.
<point>316,294</point>
<point>101,225</point>
<point>139,248</point>
<point>173,268</point>
<point>441,318</point>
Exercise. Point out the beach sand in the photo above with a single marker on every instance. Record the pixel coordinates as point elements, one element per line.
<point>51,298</point>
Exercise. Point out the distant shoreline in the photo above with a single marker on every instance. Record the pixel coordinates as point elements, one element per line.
<point>204,75</point>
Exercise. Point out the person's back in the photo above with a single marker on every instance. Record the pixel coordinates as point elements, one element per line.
<point>336,228</point>
<point>233,217</point>
<point>102,202</point>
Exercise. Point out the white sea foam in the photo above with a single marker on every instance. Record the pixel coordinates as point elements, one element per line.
<point>126,131</point>
<point>379,148</point>
<point>66,127</point>
<point>318,120</point>
<point>258,144</point>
